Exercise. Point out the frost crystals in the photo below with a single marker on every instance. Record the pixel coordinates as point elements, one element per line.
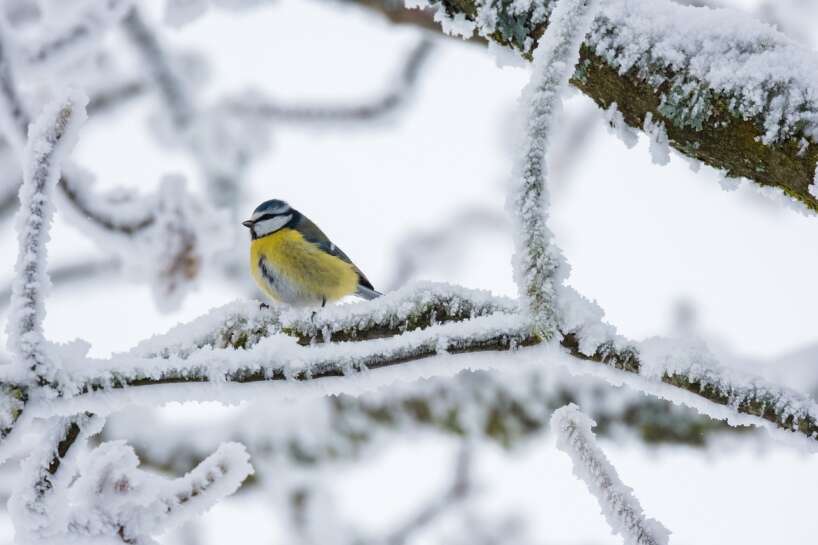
<point>50,139</point>
<point>538,264</point>
<point>620,507</point>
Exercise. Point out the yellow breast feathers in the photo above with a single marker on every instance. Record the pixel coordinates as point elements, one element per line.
<point>291,270</point>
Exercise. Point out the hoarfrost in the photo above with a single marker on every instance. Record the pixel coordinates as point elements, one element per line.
<point>766,73</point>
<point>454,26</point>
<point>618,127</point>
<point>51,138</point>
<point>657,137</point>
<point>539,266</point>
<point>620,507</point>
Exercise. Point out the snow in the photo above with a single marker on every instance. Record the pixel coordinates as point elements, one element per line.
<point>657,136</point>
<point>402,306</point>
<point>454,26</point>
<point>373,250</point>
<point>663,357</point>
<point>102,493</point>
<point>538,264</point>
<point>701,53</point>
<point>762,71</point>
<point>617,126</point>
<point>51,138</point>
<point>278,358</point>
<point>620,507</point>
<point>38,503</point>
<point>584,318</point>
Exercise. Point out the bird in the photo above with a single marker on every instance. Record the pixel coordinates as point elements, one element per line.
<point>295,263</point>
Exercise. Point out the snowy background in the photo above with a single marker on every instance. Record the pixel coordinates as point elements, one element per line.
<point>664,250</point>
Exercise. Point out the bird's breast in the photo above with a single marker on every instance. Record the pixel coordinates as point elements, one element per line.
<point>292,270</point>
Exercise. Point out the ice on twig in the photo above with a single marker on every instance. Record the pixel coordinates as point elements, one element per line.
<point>619,506</point>
<point>50,139</point>
<point>657,135</point>
<point>538,264</point>
<point>618,126</point>
<point>69,493</point>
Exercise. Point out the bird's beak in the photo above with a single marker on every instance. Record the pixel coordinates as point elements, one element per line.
<point>247,223</point>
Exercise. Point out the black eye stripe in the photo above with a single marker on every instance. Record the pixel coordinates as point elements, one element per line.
<point>266,217</point>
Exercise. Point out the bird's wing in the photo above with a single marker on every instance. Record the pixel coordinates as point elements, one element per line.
<point>313,234</point>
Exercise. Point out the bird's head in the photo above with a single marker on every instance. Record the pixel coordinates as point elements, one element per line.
<point>269,217</point>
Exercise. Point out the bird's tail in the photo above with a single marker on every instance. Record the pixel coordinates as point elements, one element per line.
<point>367,293</point>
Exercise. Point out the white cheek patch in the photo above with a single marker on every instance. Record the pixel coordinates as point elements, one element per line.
<point>265,227</point>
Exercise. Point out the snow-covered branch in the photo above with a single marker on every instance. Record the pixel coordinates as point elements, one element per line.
<point>538,264</point>
<point>620,507</point>
<point>51,138</point>
<point>731,92</point>
<point>35,502</point>
<point>241,344</point>
<point>113,497</point>
<point>70,492</point>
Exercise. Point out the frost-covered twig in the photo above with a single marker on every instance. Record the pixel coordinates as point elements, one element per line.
<point>538,264</point>
<point>620,507</point>
<point>733,93</point>
<point>35,502</point>
<point>113,497</point>
<point>257,106</point>
<point>102,494</point>
<point>51,138</point>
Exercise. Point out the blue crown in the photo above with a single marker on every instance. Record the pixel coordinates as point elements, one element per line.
<point>273,206</point>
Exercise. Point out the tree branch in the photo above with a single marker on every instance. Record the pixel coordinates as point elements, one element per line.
<point>760,123</point>
<point>51,137</point>
<point>621,508</point>
<point>241,344</point>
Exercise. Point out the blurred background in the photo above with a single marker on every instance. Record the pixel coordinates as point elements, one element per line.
<point>396,141</point>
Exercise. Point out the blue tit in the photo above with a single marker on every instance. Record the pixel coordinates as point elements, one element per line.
<point>294,262</point>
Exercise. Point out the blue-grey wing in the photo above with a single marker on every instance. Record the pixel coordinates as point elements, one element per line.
<point>313,234</point>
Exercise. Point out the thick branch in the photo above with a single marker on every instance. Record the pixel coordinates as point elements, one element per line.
<point>242,344</point>
<point>760,124</point>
